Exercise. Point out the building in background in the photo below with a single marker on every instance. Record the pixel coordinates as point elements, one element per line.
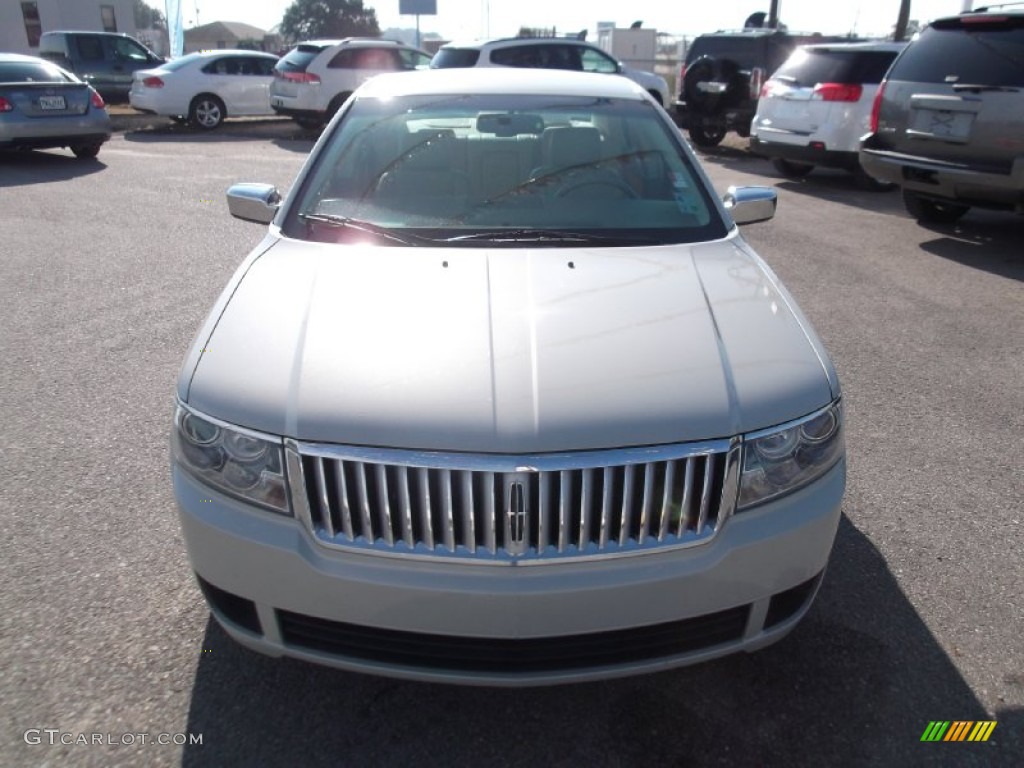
<point>23,23</point>
<point>230,34</point>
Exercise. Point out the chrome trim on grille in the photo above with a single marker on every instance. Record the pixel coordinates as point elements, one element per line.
<point>485,508</point>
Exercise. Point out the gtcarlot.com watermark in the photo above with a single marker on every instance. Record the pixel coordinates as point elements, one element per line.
<point>55,736</point>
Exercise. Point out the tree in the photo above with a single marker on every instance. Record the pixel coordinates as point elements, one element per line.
<point>147,17</point>
<point>311,19</point>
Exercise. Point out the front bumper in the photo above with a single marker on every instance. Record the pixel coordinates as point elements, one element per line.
<point>274,589</point>
<point>940,180</point>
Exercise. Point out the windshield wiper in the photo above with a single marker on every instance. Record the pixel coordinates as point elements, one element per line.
<point>545,236</point>
<point>367,227</point>
<point>980,88</point>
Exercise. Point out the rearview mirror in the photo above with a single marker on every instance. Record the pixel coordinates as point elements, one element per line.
<point>254,202</point>
<point>748,205</point>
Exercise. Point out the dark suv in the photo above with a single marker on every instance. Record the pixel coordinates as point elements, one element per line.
<point>721,80</point>
<point>948,122</point>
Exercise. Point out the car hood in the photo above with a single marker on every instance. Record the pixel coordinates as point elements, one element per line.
<point>510,350</point>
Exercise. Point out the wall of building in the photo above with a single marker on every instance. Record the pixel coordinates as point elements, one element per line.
<point>60,14</point>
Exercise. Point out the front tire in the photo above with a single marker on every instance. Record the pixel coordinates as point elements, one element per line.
<point>206,112</point>
<point>932,211</point>
<point>792,170</point>
<point>707,136</point>
<point>85,151</point>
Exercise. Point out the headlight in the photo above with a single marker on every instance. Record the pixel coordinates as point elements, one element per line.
<point>782,460</point>
<point>233,460</point>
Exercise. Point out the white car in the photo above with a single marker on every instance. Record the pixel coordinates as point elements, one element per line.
<point>546,53</point>
<point>207,87</point>
<point>314,78</point>
<point>816,107</point>
<point>504,397</point>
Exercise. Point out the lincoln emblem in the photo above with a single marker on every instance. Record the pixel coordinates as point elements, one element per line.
<point>516,512</point>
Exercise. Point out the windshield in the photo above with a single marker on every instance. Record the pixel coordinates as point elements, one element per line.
<point>503,169</point>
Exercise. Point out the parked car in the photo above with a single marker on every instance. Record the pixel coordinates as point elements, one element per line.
<point>314,78</point>
<point>105,60</point>
<point>504,397</point>
<point>948,119</point>
<point>43,106</point>
<point>815,108</point>
<point>205,88</point>
<point>545,53</point>
<point>720,81</point>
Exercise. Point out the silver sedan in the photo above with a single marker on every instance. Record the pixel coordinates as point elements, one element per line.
<point>43,106</point>
<point>504,397</point>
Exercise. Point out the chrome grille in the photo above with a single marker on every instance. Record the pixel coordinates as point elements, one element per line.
<point>513,508</point>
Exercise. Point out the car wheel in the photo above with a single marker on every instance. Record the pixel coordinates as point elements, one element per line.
<point>86,151</point>
<point>206,111</point>
<point>792,170</point>
<point>707,136</point>
<point>335,105</point>
<point>932,211</point>
<point>870,183</point>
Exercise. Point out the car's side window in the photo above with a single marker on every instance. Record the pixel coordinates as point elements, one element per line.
<point>596,61</point>
<point>366,58</point>
<point>227,66</point>
<point>122,48</point>
<point>413,59</point>
<point>261,67</point>
<point>90,47</point>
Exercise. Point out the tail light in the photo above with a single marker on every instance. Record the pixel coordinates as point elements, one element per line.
<point>96,100</point>
<point>5,105</point>
<point>877,109</point>
<point>756,82</point>
<point>837,92</point>
<point>297,77</point>
<point>153,82</point>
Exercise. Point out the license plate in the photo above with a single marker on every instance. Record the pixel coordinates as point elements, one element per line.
<point>52,102</point>
<point>943,123</point>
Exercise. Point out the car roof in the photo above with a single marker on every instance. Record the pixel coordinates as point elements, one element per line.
<point>350,41</point>
<point>504,42</point>
<point>530,82</point>
<point>23,57</point>
<point>874,45</point>
<point>232,52</point>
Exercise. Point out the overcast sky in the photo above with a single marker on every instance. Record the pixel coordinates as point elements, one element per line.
<point>462,19</point>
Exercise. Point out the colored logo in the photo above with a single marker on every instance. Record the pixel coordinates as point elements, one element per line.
<point>958,730</point>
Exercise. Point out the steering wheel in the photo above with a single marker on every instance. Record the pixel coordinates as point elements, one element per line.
<point>611,183</point>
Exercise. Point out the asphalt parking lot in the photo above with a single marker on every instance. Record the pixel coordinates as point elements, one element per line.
<point>108,267</point>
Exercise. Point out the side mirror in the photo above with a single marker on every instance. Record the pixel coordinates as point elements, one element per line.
<point>748,205</point>
<point>254,202</point>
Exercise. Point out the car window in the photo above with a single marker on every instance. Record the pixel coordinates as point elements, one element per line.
<point>538,56</point>
<point>413,59</point>
<point>225,66</point>
<point>90,47</point>
<point>597,61</point>
<point>446,58</point>
<point>453,169</point>
<point>298,58</point>
<point>746,52</point>
<point>365,58</point>
<point>985,54</point>
<point>261,66</point>
<point>808,67</point>
<point>30,72</point>
<point>124,48</point>
<point>176,64</point>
